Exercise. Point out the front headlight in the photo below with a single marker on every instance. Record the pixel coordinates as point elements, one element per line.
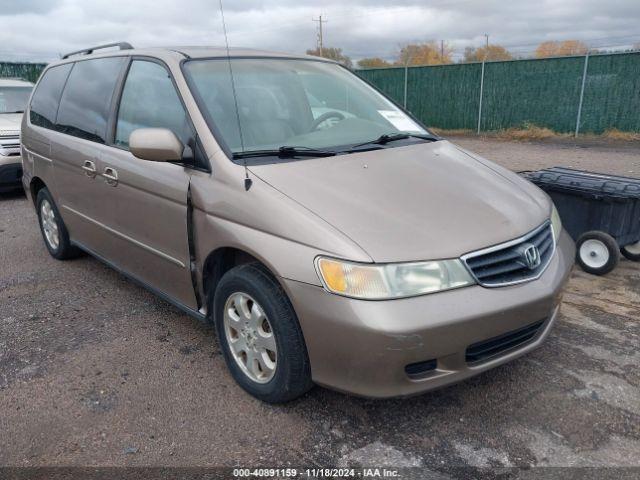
<point>396,280</point>
<point>556,223</point>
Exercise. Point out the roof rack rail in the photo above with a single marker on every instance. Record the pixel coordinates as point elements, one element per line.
<point>89,51</point>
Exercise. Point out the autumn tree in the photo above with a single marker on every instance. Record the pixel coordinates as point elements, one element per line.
<point>427,53</point>
<point>561,49</point>
<point>333,54</point>
<point>489,54</point>
<point>375,62</point>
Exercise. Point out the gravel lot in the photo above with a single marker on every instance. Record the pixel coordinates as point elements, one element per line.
<point>96,371</point>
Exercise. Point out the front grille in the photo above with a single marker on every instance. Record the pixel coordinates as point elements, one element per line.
<point>10,145</point>
<point>487,349</point>
<point>506,264</point>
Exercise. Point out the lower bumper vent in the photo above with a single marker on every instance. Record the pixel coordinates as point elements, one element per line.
<point>420,369</point>
<point>487,349</point>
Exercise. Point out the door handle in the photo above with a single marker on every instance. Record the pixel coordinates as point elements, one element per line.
<point>89,169</point>
<point>110,176</point>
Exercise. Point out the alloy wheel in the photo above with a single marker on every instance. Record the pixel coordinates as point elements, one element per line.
<point>49,224</point>
<point>250,337</point>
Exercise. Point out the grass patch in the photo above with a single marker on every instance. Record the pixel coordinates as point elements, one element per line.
<point>532,132</point>
<point>458,132</point>
<point>529,131</point>
<point>615,134</point>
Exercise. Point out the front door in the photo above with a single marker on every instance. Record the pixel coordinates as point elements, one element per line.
<point>147,201</point>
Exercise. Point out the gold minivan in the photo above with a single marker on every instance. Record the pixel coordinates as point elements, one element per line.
<point>328,235</point>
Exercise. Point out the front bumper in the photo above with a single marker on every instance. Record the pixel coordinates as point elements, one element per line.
<point>10,173</point>
<point>363,347</point>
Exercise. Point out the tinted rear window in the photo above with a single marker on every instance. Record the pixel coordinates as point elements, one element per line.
<point>84,108</point>
<point>44,104</point>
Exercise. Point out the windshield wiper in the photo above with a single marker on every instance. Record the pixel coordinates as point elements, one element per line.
<point>17,111</point>
<point>392,137</point>
<point>285,152</point>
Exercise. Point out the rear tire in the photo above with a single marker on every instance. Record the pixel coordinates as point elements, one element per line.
<point>597,252</point>
<point>260,336</point>
<point>632,252</point>
<point>54,232</point>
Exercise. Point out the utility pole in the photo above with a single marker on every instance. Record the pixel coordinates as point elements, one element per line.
<point>486,50</point>
<point>320,21</point>
<point>442,51</point>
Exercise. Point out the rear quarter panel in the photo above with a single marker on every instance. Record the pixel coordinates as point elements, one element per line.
<point>36,156</point>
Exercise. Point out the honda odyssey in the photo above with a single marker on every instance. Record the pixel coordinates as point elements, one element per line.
<point>328,235</point>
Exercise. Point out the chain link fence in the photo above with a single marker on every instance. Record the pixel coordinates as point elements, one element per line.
<point>26,71</point>
<point>588,94</point>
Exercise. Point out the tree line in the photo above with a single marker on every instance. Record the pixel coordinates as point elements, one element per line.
<point>434,53</point>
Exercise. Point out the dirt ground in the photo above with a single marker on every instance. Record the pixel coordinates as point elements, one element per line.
<point>94,370</point>
<point>598,155</point>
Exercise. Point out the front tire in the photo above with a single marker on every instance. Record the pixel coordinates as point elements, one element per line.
<point>632,252</point>
<point>597,252</point>
<point>54,232</point>
<point>260,336</point>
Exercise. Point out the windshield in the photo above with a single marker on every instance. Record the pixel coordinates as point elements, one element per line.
<point>301,103</point>
<point>14,99</point>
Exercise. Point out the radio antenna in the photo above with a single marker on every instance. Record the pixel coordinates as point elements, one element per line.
<point>247,181</point>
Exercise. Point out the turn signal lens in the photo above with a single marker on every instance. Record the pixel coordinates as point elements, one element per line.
<point>333,275</point>
<point>378,282</point>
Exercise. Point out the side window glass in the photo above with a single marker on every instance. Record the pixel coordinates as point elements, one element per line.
<point>46,98</point>
<point>86,101</point>
<point>149,100</point>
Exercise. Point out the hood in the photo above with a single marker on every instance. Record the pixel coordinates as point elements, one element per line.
<point>10,123</point>
<point>419,202</point>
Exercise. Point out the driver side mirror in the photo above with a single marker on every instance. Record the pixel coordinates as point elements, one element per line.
<point>156,145</point>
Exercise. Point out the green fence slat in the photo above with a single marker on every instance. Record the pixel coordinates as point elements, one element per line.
<point>612,94</point>
<point>544,92</point>
<point>445,96</point>
<point>388,80</point>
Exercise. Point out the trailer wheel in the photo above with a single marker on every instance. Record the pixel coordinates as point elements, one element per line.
<point>597,252</point>
<point>632,252</point>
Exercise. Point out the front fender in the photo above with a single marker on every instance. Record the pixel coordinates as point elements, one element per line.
<point>266,224</point>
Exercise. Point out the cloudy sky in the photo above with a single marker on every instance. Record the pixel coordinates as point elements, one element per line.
<point>38,30</point>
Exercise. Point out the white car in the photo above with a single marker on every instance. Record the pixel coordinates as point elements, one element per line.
<point>14,95</point>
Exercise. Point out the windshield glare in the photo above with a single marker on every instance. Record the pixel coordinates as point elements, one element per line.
<point>14,99</point>
<point>301,103</point>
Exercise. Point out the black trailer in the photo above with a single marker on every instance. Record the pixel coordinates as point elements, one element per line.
<point>601,213</point>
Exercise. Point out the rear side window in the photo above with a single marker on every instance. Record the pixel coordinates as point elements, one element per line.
<point>46,98</point>
<point>149,100</point>
<point>86,101</point>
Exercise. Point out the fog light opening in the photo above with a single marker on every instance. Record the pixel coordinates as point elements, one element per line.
<point>420,369</point>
